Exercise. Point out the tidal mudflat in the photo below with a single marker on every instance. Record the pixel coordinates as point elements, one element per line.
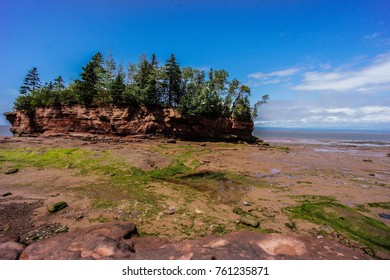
<point>187,190</point>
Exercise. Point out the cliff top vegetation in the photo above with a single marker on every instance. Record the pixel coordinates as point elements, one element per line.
<point>103,82</point>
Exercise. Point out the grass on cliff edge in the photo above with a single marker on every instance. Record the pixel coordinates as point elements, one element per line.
<point>326,210</point>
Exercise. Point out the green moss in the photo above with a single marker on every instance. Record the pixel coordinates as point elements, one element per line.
<point>314,198</point>
<point>361,208</point>
<point>172,170</point>
<point>346,220</point>
<point>101,203</point>
<point>384,205</point>
<point>100,219</point>
<point>219,229</point>
<point>284,149</point>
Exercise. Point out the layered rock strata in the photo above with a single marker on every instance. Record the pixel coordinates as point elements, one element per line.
<point>165,122</point>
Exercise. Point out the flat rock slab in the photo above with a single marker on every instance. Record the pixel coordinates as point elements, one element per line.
<point>106,241</point>
<point>245,245</point>
<point>115,240</point>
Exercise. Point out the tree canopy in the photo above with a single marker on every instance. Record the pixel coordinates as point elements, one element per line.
<point>103,83</point>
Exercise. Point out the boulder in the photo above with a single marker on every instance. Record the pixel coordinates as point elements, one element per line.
<point>249,221</point>
<point>10,249</point>
<point>57,206</point>
<point>12,171</point>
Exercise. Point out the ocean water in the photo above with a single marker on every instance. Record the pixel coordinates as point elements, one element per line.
<point>4,130</point>
<point>305,136</point>
<point>323,137</point>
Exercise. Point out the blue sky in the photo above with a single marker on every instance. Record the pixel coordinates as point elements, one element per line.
<point>323,63</point>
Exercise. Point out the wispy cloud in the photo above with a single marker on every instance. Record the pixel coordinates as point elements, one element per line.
<point>281,73</point>
<point>371,36</point>
<point>377,39</point>
<point>373,77</point>
<point>260,78</point>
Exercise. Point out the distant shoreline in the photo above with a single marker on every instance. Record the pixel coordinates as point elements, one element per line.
<point>323,137</point>
<point>304,136</point>
<point>5,131</point>
<point>315,129</point>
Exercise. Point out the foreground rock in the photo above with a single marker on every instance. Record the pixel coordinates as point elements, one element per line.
<point>129,121</point>
<point>10,249</point>
<point>106,241</point>
<point>116,240</point>
<point>57,206</point>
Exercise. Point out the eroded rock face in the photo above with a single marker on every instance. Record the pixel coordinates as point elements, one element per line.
<point>116,240</point>
<point>130,121</point>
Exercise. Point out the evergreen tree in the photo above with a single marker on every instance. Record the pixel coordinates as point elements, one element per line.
<point>141,78</point>
<point>59,84</point>
<point>118,91</point>
<point>173,80</point>
<point>31,81</point>
<point>153,94</point>
<point>91,79</point>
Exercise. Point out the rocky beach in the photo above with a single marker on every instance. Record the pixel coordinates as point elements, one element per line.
<point>288,201</point>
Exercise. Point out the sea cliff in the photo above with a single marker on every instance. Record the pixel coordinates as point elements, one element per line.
<point>158,121</point>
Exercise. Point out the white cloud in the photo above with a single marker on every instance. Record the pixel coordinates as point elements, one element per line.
<point>281,73</point>
<point>354,95</point>
<point>321,111</point>
<point>275,77</point>
<point>373,77</point>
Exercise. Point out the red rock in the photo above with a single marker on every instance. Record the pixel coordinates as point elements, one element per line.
<point>111,241</point>
<point>130,121</point>
<point>106,241</point>
<point>247,245</point>
<point>10,249</point>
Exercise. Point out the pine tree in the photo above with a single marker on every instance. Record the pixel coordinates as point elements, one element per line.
<point>117,91</point>
<point>91,80</point>
<point>173,80</point>
<point>141,79</point>
<point>59,84</point>
<point>153,92</point>
<point>31,82</point>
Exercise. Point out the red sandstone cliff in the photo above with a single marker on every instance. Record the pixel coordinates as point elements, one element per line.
<point>129,121</point>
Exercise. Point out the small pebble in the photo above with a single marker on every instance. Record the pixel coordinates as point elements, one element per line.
<point>169,211</point>
<point>246,203</point>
